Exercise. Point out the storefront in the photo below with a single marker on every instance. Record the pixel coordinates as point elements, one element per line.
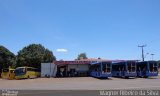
<point>72,68</point>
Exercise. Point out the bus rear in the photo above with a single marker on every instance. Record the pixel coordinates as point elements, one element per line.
<point>8,73</point>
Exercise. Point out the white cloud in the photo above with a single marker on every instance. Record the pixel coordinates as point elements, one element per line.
<point>62,50</point>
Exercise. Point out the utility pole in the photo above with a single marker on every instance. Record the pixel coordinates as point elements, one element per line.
<point>142,51</point>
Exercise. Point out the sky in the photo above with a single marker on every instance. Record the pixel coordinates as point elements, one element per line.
<point>110,29</point>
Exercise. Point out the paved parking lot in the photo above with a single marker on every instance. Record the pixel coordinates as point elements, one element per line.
<point>80,83</point>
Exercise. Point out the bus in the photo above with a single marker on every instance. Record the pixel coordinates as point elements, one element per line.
<point>26,72</point>
<point>8,73</point>
<point>124,68</point>
<point>101,69</point>
<point>147,69</point>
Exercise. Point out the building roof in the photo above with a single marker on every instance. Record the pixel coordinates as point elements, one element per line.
<point>94,59</point>
<point>121,61</point>
<point>88,61</point>
<point>71,62</point>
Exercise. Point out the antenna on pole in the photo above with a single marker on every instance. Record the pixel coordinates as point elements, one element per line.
<point>142,50</point>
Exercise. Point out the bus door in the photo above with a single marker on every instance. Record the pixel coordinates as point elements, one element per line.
<point>104,68</point>
<point>131,67</point>
<point>30,72</point>
<point>116,69</point>
<point>11,74</point>
<point>98,69</point>
<point>122,69</point>
<point>108,67</point>
<point>141,69</point>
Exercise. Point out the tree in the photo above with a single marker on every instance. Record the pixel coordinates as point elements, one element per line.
<point>82,56</point>
<point>7,58</point>
<point>33,55</point>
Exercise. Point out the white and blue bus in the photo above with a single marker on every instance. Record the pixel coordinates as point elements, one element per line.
<point>101,69</point>
<point>147,69</point>
<point>124,68</point>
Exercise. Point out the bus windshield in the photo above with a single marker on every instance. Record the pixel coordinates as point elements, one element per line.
<point>131,66</point>
<point>106,67</point>
<point>5,70</point>
<point>153,67</point>
<point>20,71</point>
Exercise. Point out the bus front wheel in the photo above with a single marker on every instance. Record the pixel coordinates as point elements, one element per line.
<point>126,77</point>
<point>28,77</point>
<point>145,76</point>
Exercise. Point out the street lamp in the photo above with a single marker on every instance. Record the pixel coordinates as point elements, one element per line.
<point>146,55</point>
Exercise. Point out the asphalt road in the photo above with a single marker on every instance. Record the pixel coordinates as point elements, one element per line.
<point>77,86</point>
<point>80,83</point>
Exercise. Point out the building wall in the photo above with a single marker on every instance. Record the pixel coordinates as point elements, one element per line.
<point>48,69</point>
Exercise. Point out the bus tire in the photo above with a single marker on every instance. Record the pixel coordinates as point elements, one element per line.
<point>9,76</point>
<point>126,77</point>
<point>28,77</point>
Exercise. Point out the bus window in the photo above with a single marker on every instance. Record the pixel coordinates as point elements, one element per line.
<point>20,71</point>
<point>131,66</point>
<point>98,67</point>
<point>151,68</point>
<point>11,71</point>
<point>30,69</point>
<point>116,68</point>
<point>155,64</point>
<point>5,70</point>
<point>108,67</point>
<point>155,67</point>
<point>133,69</point>
<point>104,67</point>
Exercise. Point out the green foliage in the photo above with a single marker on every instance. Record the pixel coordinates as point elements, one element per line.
<point>82,56</point>
<point>7,58</point>
<point>33,55</point>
